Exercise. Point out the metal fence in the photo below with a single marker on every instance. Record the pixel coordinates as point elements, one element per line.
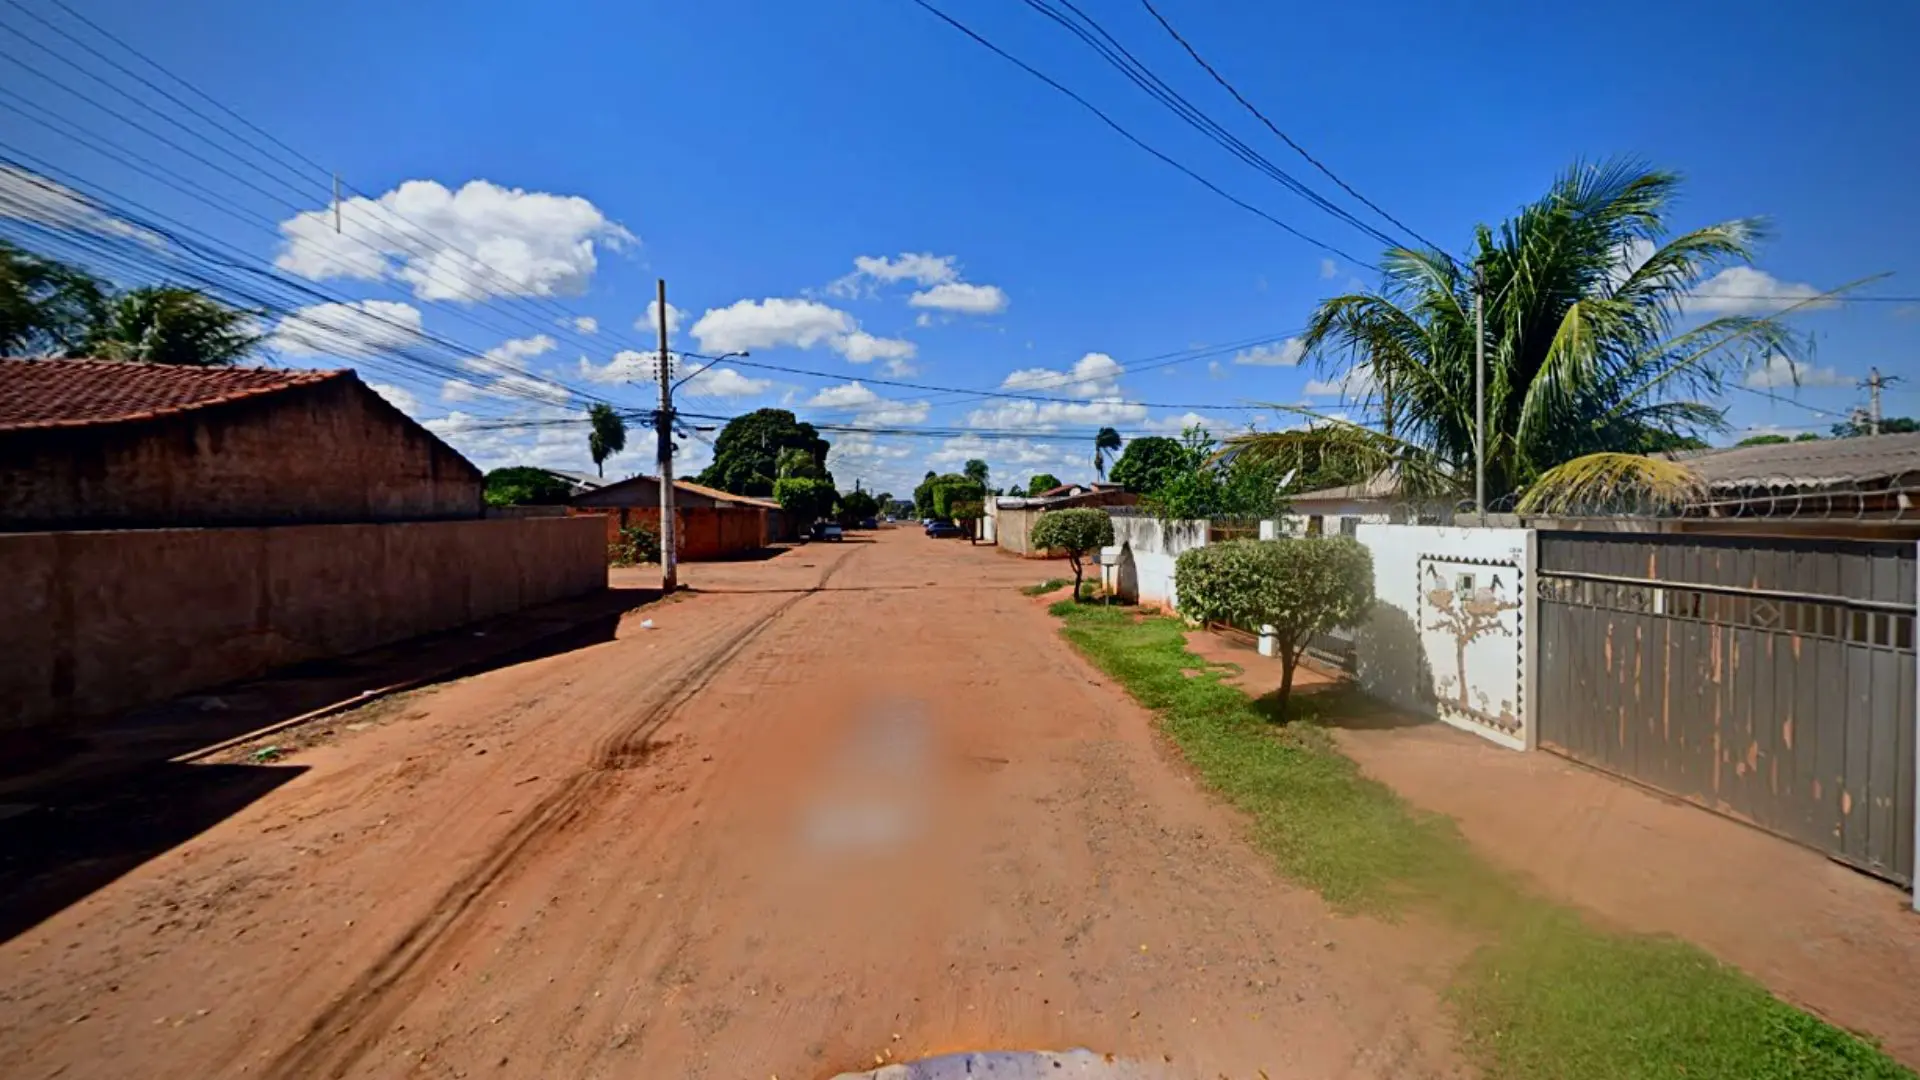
<point>1769,679</point>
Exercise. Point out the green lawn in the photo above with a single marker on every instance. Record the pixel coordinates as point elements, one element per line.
<point>1550,998</point>
<point>1047,586</point>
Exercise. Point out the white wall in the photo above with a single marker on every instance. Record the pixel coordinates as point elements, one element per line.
<point>1139,564</point>
<point>1448,636</point>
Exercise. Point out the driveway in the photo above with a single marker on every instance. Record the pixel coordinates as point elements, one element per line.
<point>850,805</point>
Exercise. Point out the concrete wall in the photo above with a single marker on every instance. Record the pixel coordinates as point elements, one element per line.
<point>1449,636</point>
<point>103,621</point>
<point>1142,557</point>
<point>334,451</point>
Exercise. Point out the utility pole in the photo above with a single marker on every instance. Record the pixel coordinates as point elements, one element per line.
<point>663,427</point>
<point>1479,396</point>
<point>1874,383</point>
<point>336,202</point>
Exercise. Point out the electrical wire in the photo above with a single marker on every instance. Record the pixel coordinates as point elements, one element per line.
<point>1135,139</point>
<point>1284,137</point>
<point>1109,48</point>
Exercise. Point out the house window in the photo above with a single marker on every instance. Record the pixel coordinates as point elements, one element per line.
<point>1349,526</point>
<point>1316,525</point>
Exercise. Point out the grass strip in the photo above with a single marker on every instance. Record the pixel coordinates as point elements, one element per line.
<point>1550,997</point>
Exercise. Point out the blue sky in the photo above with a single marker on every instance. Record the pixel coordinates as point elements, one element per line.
<point>754,151</point>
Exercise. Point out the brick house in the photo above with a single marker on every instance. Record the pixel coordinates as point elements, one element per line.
<point>93,444</point>
<point>713,524</point>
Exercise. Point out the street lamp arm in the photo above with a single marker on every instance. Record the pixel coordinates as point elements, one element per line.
<point>705,366</point>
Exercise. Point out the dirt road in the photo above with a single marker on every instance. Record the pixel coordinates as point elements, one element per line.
<point>855,803</point>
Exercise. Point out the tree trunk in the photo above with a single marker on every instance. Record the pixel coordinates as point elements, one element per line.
<point>1289,658</point>
<point>1074,561</point>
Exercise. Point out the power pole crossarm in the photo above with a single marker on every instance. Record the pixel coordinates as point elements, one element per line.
<point>663,427</point>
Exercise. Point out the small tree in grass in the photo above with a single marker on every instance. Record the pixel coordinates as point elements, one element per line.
<point>967,514</point>
<point>1076,532</point>
<point>1300,587</point>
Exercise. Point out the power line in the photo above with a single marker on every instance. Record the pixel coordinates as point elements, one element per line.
<point>1284,137</point>
<point>1121,59</point>
<point>567,315</point>
<point>1131,137</point>
<point>1010,394</point>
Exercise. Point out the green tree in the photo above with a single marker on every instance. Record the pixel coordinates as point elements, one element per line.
<point>1149,462</point>
<point>1588,345</point>
<point>805,498</point>
<point>1208,485</point>
<point>951,490</point>
<point>1016,492</point>
<point>794,462</point>
<point>975,470</point>
<point>967,513</point>
<point>1078,532</point>
<point>523,485</point>
<point>168,325</point>
<point>1763,440</point>
<point>857,506</point>
<point>608,435</point>
<point>1891,425</point>
<point>926,500</point>
<point>1300,587</point>
<point>46,307</point>
<point>1105,442</point>
<point>746,452</point>
<point>1040,482</point>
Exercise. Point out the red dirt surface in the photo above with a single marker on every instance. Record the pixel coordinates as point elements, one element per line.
<point>1829,939</point>
<point>854,804</point>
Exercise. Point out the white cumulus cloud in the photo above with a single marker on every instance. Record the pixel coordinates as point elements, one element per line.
<point>724,383</point>
<point>1743,290</point>
<point>398,396</point>
<point>650,322</point>
<point>801,324</point>
<point>1094,375</point>
<point>586,324</point>
<point>862,347</point>
<point>359,329</point>
<point>513,354</point>
<point>961,298</point>
<point>28,196</point>
<point>472,244</point>
<point>1780,371</point>
<point>1286,354</point>
<point>1354,383</point>
<point>869,408</point>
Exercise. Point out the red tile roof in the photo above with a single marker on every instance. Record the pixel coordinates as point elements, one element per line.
<point>77,393</point>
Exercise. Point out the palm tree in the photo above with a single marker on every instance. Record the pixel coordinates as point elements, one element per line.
<point>976,470</point>
<point>1105,443</point>
<point>1589,345</point>
<point>170,325</point>
<point>608,437</point>
<point>45,306</point>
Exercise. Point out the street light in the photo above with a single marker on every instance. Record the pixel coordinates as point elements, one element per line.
<point>710,361</point>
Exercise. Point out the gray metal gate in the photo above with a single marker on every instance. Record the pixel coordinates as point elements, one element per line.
<point>1768,679</point>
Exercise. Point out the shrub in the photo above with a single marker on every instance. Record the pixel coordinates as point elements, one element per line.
<point>1075,532</point>
<point>637,544</point>
<point>1300,587</point>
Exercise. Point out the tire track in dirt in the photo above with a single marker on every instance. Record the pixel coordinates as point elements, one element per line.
<point>361,1015</point>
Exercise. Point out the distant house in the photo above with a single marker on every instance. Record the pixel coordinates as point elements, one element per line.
<point>713,524</point>
<point>1012,518</point>
<point>94,444</point>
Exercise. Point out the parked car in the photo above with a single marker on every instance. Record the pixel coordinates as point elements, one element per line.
<point>868,523</point>
<point>827,530</point>
<point>940,530</point>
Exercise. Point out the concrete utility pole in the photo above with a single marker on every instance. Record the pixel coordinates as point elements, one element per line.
<point>663,428</point>
<point>1874,383</point>
<point>1479,396</point>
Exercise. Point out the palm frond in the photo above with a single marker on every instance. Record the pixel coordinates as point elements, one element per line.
<point>1613,483</point>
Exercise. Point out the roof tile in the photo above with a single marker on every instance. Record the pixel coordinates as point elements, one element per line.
<point>78,393</point>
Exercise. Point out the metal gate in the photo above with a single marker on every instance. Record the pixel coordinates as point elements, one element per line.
<point>1768,679</point>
